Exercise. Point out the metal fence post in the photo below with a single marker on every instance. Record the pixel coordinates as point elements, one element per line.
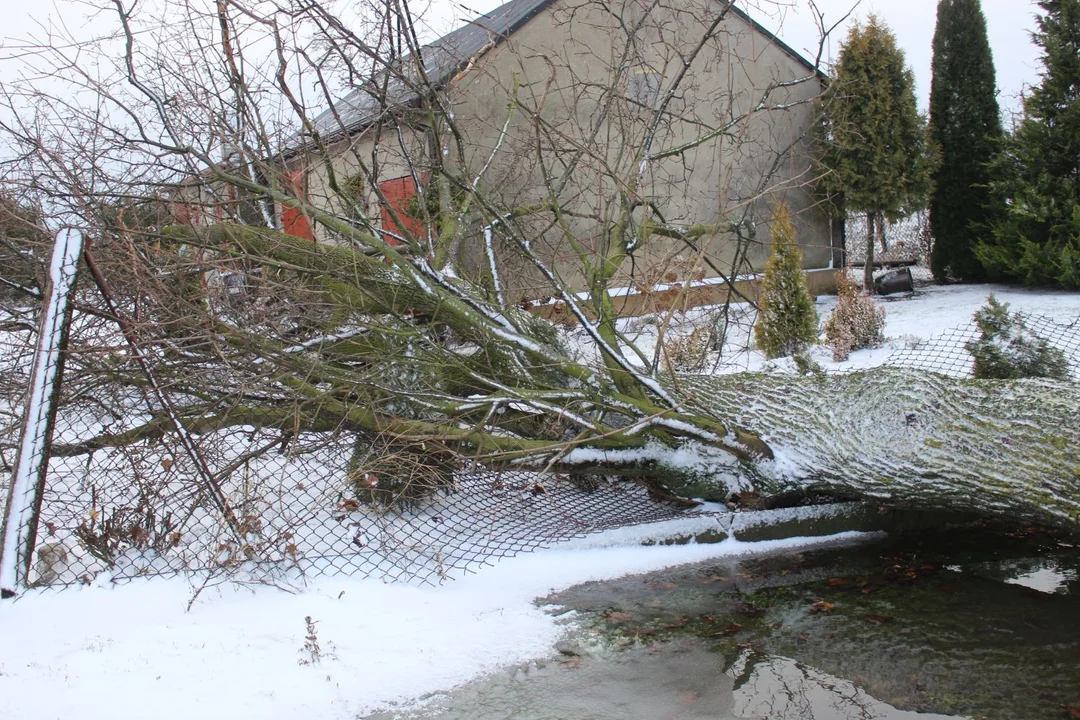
<point>19,534</point>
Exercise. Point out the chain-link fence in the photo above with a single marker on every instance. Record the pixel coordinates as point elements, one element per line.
<point>907,242</point>
<point>953,352</point>
<point>141,510</point>
<point>128,496</point>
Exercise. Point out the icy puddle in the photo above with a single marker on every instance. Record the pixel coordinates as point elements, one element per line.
<point>666,680</point>
<point>964,623</point>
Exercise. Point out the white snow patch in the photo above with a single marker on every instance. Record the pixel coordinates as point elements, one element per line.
<point>131,652</point>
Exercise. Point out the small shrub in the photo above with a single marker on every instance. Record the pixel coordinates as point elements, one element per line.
<point>1007,349</point>
<point>806,365</point>
<point>721,323</point>
<point>688,353</point>
<point>786,321</point>
<point>857,322</point>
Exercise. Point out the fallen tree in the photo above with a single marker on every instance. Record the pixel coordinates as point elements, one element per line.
<point>913,438</point>
<point>381,328</point>
<point>497,385</point>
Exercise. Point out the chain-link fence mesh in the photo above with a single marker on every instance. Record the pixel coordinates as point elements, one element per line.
<point>16,359</point>
<point>16,362</point>
<point>951,352</point>
<point>141,510</point>
<point>277,503</point>
<point>907,242</point>
<point>299,503</point>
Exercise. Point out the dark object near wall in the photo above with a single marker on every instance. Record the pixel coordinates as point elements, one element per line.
<point>894,282</point>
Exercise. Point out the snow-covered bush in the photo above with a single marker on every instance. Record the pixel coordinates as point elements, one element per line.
<point>688,353</point>
<point>1008,349</point>
<point>857,322</point>
<point>786,321</point>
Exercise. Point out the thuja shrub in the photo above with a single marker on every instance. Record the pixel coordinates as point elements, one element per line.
<point>1007,349</point>
<point>786,320</point>
<point>857,322</point>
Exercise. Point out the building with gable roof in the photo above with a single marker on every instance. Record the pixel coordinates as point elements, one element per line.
<point>669,127</point>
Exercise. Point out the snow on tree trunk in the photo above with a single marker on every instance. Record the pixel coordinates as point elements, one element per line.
<point>912,438</point>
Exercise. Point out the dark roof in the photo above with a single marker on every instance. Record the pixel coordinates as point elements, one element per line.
<point>451,53</point>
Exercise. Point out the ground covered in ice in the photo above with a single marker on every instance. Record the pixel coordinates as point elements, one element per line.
<point>147,649</point>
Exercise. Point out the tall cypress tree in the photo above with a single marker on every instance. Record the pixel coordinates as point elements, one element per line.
<point>875,153</point>
<point>965,124</point>
<point>1037,238</point>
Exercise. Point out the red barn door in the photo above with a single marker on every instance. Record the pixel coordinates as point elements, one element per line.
<point>293,221</point>
<point>400,193</point>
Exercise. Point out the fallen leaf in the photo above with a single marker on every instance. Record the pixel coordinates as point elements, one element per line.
<point>822,606</point>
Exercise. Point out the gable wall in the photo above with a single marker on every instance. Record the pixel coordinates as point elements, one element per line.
<point>563,61</point>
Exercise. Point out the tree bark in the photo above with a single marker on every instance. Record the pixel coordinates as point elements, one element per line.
<point>868,268</point>
<point>912,438</point>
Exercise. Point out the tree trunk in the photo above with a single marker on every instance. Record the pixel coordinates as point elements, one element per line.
<point>911,438</point>
<point>868,268</point>
<point>516,399</point>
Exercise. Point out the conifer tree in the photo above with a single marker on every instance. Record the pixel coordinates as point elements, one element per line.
<point>786,321</point>
<point>1037,238</point>
<point>965,125</point>
<point>875,153</point>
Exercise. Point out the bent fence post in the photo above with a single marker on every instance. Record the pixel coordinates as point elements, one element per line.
<point>19,533</point>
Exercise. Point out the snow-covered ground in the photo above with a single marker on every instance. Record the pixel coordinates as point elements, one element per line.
<point>138,651</point>
<point>931,311</point>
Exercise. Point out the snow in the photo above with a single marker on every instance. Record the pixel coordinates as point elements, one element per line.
<point>931,311</point>
<point>136,650</point>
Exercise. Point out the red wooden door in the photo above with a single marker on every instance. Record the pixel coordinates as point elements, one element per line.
<point>400,193</point>
<point>293,221</point>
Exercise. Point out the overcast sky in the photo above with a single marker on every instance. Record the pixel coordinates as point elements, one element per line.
<point>1009,22</point>
<point>1009,25</point>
